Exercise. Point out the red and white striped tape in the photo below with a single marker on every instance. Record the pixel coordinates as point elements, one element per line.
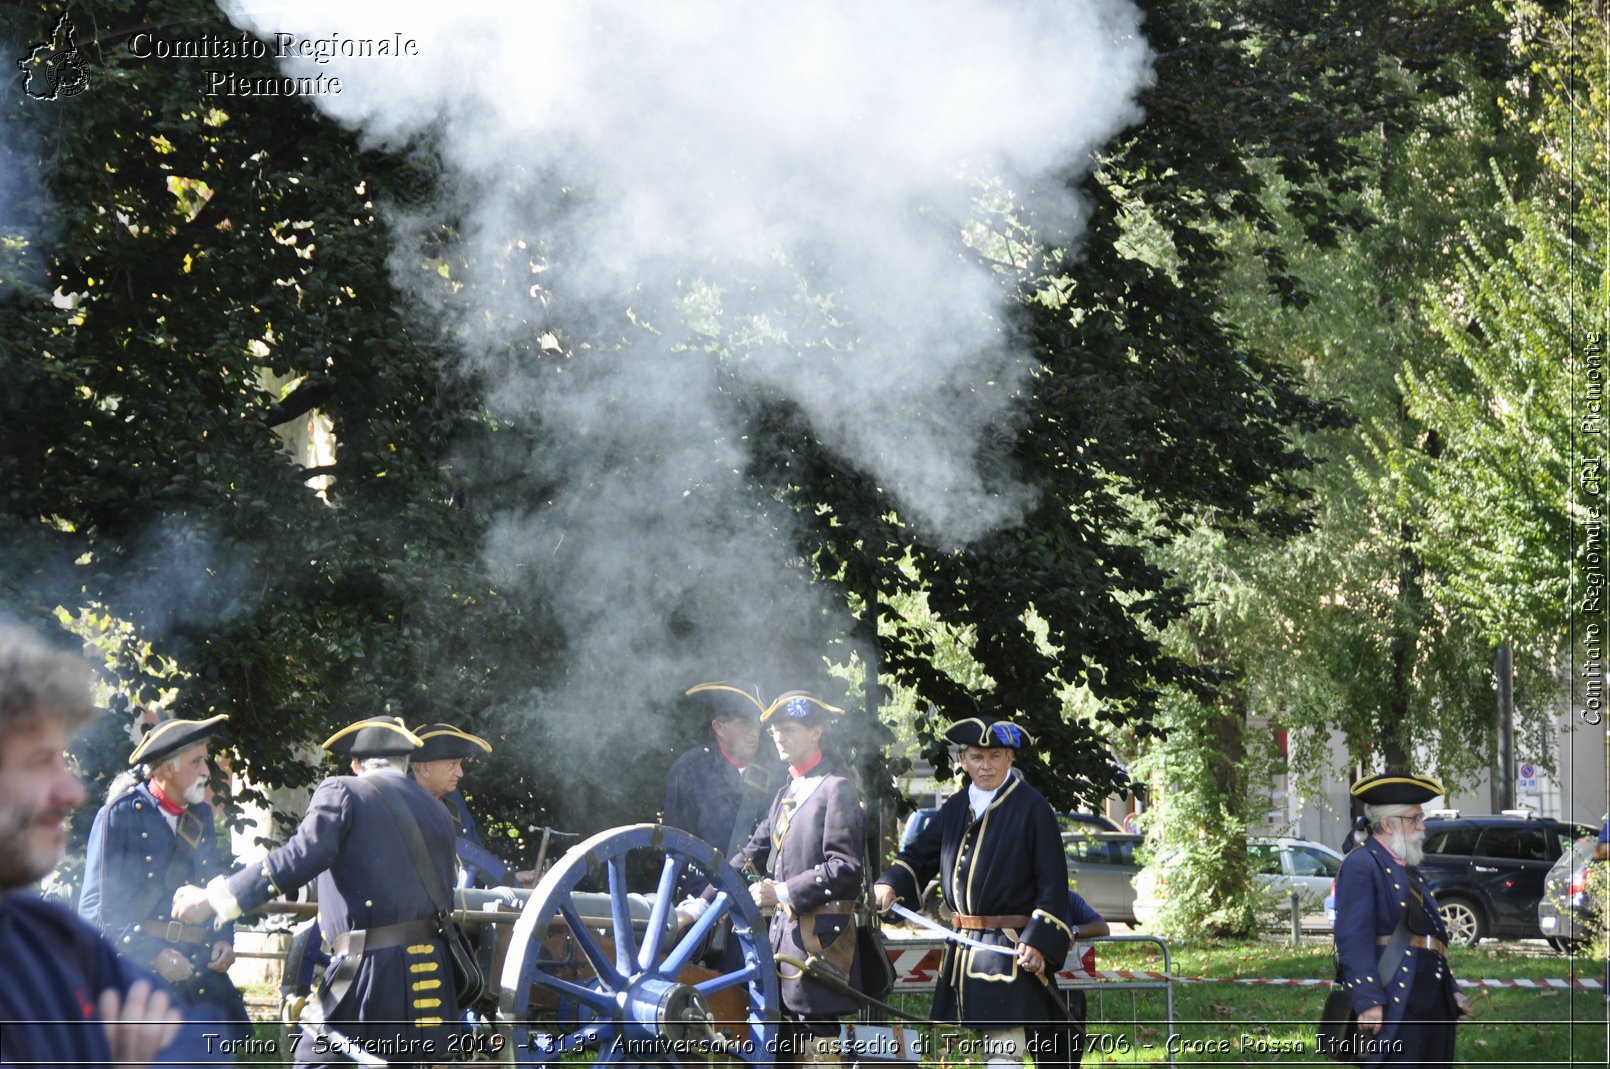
<point>917,968</point>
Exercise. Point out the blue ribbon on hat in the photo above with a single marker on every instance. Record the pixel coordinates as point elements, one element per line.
<point>1007,734</point>
<point>798,708</point>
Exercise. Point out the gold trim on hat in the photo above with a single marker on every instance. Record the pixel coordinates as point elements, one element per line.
<point>701,688</point>
<point>163,728</point>
<point>1382,779</point>
<point>453,733</point>
<point>784,699</point>
<point>389,724</point>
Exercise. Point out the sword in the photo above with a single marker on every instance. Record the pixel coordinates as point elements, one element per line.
<point>962,940</point>
<point>949,936</point>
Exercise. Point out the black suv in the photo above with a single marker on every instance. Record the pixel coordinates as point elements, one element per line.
<point>1487,871</point>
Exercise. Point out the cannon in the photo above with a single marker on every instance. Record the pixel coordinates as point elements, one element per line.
<point>608,971</point>
<point>585,964</point>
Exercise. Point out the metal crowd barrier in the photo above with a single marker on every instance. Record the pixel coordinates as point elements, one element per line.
<point>916,963</point>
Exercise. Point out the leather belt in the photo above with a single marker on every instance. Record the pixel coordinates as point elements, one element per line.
<point>360,941</point>
<point>830,908</point>
<point>969,923</point>
<point>174,932</point>
<point>1424,942</point>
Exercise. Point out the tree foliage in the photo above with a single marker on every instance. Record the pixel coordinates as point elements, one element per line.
<point>186,278</point>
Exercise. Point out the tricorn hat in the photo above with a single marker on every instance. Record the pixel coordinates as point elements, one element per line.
<point>728,699</point>
<point>1396,788</point>
<point>171,736</point>
<point>379,736</point>
<point>800,706</point>
<point>443,742</point>
<point>1001,734</point>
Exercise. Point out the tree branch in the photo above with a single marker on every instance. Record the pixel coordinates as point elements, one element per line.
<point>302,400</point>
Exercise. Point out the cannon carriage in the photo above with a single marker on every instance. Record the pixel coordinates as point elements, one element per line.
<point>588,962</point>
<point>608,971</point>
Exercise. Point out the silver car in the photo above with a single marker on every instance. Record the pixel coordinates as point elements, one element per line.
<point>1279,865</point>
<point>1102,868</point>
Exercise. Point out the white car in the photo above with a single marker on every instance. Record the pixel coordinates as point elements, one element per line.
<point>1280,866</point>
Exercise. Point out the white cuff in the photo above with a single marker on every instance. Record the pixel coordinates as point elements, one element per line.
<point>222,901</point>
<point>783,897</point>
<point>692,906</point>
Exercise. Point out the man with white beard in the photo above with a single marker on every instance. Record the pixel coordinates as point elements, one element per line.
<point>149,839</point>
<point>1391,944</point>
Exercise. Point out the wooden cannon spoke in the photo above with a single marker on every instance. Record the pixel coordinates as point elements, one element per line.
<point>670,875</point>
<point>620,909</point>
<point>608,975</point>
<point>726,980</point>
<point>683,951</point>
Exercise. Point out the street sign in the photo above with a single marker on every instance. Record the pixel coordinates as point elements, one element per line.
<point>1527,777</point>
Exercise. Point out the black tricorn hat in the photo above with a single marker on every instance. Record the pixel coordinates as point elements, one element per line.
<point>443,742</point>
<point>800,706</point>
<point>1001,734</point>
<point>380,736</point>
<point>728,699</point>
<point>171,736</point>
<point>1396,788</point>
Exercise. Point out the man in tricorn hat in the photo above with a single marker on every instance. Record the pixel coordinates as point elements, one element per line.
<point>720,789</point>
<point>1391,943</point>
<point>148,840</point>
<point>389,987</point>
<point>438,766</point>
<point>807,855</point>
<point>997,850</point>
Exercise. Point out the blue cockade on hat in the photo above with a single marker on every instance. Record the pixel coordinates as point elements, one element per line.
<point>1007,734</point>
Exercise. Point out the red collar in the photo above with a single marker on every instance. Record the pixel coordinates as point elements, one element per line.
<point>731,760</point>
<point>805,769</point>
<point>169,806</point>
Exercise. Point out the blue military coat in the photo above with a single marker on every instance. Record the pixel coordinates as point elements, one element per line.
<point>133,865</point>
<point>817,854</point>
<point>402,996</point>
<point>1372,892</point>
<point>1007,862</point>
<point>56,968</point>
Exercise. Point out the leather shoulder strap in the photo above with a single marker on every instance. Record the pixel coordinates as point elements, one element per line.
<point>409,827</point>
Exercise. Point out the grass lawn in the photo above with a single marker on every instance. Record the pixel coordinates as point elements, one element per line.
<point>1246,1024</point>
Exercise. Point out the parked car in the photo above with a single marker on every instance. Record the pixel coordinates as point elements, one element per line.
<point>1568,912</point>
<point>1488,871</point>
<point>1280,866</point>
<point>1102,867</point>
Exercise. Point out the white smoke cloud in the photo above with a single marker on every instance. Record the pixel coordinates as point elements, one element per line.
<point>794,164</point>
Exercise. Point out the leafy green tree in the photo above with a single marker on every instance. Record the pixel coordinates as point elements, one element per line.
<point>170,259</point>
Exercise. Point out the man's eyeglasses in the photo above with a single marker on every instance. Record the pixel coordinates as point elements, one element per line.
<point>1412,819</point>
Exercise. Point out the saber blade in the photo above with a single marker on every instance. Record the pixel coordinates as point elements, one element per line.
<point>945,933</point>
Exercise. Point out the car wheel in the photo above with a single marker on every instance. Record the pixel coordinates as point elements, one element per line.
<point>1463,920</point>
<point>1568,946</point>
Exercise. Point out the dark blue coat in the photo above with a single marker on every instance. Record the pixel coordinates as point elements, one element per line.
<point>703,791</point>
<point>402,996</point>
<point>1009,861</point>
<point>133,865</point>
<point>1372,892</point>
<point>819,858</point>
<point>56,967</point>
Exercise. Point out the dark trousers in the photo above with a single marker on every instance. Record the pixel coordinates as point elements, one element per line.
<point>1060,1044</point>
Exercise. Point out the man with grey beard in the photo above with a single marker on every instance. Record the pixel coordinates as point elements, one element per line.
<point>1391,943</point>
<point>153,836</point>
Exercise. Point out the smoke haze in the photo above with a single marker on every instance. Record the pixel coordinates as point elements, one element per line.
<point>705,206</point>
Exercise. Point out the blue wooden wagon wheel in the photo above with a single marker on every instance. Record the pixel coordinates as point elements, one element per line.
<point>630,992</point>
